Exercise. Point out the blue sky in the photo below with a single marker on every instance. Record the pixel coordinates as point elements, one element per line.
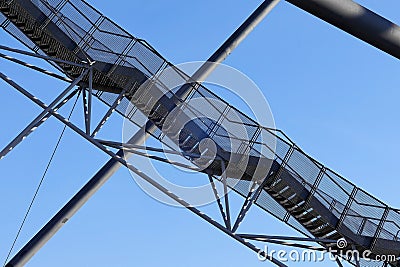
<point>334,95</point>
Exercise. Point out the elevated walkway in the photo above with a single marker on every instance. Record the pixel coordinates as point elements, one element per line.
<point>295,188</point>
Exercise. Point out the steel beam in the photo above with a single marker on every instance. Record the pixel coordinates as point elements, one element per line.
<point>79,199</point>
<point>218,199</point>
<point>86,110</point>
<point>252,197</point>
<point>226,196</point>
<point>109,113</point>
<point>56,60</point>
<point>28,65</point>
<point>285,238</point>
<point>356,20</point>
<point>113,164</point>
<point>41,117</point>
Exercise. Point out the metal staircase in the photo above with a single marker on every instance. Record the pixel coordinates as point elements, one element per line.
<point>295,189</point>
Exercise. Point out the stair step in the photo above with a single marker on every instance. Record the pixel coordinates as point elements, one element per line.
<point>278,186</point>
<point>20,24</point>
<point>306,218</point>
<point>297,212</point>
<point>334,236</point>
<point>296,207</point>
<point>315,224</point>
<point>287,201</point>
<point>307,223</point>
<point>325,232</point>
<point>318,229</point>
<point>304,214</point>
<point>44,46</point>
<point>5,9</point>
<point>36,38</point>
<point>51,53</point>
<point>270,186</point>
<point>159,123</point>
<point>28,31</point>
<point>12,16</point>
<point>293,201</point>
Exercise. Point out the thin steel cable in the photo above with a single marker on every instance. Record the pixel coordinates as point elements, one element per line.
<point>40,183</point>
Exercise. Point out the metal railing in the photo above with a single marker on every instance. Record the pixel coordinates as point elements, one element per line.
<point>102,40</point>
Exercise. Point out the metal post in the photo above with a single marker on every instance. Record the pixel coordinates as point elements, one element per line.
<point>113,165</point>
<point>89,107</point>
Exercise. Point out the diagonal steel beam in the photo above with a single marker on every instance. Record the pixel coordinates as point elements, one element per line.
<point>108,113</point>
<point>57,60</point>
<point>218,199</point>
<point>356,20</point>
<point>28,65</point>
<point>86,110</point>
<point>291,238</point>
<point>41,117</point>
<point>226,196</point>
<point>252,196</point>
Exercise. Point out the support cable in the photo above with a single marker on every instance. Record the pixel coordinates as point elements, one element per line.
<point>40,183</point>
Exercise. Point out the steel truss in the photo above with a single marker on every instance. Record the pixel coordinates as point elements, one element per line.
<point>342,18</point>
<point>104,145</point>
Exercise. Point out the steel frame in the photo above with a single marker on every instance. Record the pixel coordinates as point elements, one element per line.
<point>225,49</point>
<point>386,43</point>
<point>226,227</point>
<point>51,110</point>
<point>122,161</point>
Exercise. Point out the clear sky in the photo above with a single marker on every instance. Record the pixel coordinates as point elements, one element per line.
<point>334,95</point>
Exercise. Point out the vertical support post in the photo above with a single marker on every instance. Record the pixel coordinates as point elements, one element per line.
<point>347,207</point>
<point>379,228</point>
<point>225,183</point>
<point>283,164</point>
<point>315,185</point>
<point>89,107</point>
<point>87,102</point>
<point>362,225</point>
<point>85,109</point>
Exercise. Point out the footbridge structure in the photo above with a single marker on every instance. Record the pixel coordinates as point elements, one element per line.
<point>99,59</point>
